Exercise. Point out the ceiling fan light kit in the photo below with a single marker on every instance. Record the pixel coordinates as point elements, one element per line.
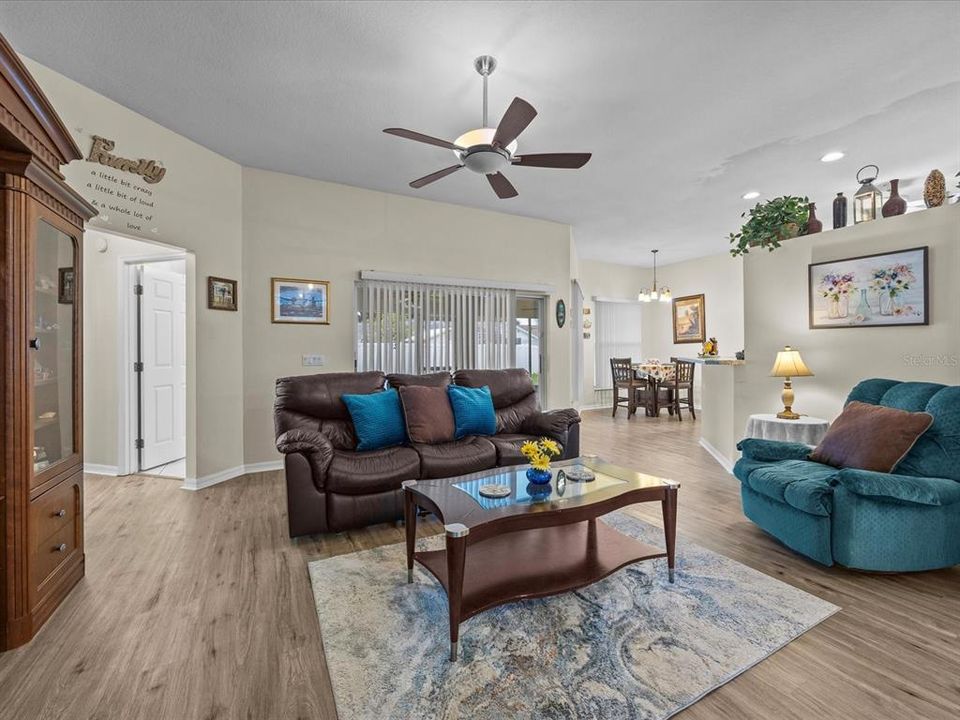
<point>488,151</point>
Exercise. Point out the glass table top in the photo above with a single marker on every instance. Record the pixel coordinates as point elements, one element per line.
<point>458,500</point>
<point>523,491</point>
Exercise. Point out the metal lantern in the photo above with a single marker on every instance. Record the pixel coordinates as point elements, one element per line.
<point>868,200</point>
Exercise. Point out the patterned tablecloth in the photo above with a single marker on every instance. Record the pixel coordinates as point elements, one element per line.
<point>661,372</point>
<point>805,429</point>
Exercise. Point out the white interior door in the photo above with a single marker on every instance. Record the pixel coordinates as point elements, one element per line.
<point>163,391</point>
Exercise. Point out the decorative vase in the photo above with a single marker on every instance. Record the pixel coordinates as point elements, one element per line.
<point>813,224</point>
<point>539,477</point>
<point>839,211</point>
<point>895,205</point>
<point>539,492</point>
<point>862,311</point>
<point>886,303</point>
<point>934,189</point>
<point>839,308</point>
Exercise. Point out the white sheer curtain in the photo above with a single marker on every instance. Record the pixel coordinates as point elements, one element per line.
<point>416,328</point>
<point>617,334</point>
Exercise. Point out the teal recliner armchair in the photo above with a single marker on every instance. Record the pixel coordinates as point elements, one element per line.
<point>887,522</point>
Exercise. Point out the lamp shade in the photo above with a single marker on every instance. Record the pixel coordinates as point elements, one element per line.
<point>789,364</point>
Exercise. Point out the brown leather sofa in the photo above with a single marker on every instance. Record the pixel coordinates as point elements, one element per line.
<point>331,487</point>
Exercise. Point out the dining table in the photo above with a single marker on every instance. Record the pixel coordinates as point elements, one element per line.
<point>660,374</point>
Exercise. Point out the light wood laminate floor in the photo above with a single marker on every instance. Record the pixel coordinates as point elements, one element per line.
<point>197,605</point>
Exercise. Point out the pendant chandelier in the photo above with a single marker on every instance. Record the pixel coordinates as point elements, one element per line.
<point>663,294</point>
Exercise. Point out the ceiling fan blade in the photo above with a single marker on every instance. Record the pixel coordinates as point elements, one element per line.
<point>553,160</point>
<point>427,179</point>
<point>514,121</point>
<point>501,186</point>
<point>420,137</point>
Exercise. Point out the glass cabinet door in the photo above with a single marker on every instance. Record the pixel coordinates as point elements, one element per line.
<point>52,354</point>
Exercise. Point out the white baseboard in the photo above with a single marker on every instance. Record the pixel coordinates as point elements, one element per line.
<point>229,474</point>
<point>95,469</point>
<point>724,461</point>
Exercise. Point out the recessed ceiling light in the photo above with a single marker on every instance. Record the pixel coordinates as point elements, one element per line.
<point>750,195</point>
<point>832,156</point>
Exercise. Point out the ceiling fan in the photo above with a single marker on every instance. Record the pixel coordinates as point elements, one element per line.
<point>488,150</point>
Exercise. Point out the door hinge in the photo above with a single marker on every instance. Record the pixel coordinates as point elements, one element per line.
<point>138,367</point>
<point>139,443</point>
<point>138,289</point>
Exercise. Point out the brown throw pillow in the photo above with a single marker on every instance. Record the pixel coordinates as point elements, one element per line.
<point>437,379</point>
<point>871,437</point>
<point>428,414</point>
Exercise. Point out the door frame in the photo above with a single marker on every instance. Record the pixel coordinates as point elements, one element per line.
<point>543,322</point>
<point>127,408</point>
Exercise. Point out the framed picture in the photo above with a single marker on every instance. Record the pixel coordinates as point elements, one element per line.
<point>66,285</point>
<point>561,313</point>
<point>221,294</point>
<point>300,301</point>
<point>871,290</point>
<point>689,319</point>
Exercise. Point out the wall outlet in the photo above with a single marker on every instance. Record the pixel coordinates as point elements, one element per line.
<point>313,360</point>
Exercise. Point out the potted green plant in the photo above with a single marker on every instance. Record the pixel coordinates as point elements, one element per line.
<point>770,223</point>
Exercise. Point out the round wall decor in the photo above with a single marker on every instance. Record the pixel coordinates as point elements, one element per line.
<point>561,312</point>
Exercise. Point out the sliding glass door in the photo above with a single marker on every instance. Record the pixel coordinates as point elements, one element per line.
<point>528,326</point>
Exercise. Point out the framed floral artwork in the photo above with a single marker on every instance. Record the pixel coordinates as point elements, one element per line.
<point>302,302</point>
<point>871,290</point>
<point>689,319</point>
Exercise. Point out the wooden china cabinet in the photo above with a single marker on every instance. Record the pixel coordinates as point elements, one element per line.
<point>41,282</point>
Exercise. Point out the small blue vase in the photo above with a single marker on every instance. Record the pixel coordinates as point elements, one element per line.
<point>539,492</point>
<point>539,477</point>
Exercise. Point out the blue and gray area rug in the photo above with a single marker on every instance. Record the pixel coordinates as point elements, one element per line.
<point>631,646</point>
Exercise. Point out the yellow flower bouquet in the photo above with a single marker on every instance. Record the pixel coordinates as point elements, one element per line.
<point>539,453</point>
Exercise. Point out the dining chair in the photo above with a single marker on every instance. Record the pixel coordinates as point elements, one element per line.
<point>624,378</point>
<point>683,371</point>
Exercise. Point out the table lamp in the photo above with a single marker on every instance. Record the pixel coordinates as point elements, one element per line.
<point>788,365</point>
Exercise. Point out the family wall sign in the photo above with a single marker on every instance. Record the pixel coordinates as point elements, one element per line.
<point>100,152</point>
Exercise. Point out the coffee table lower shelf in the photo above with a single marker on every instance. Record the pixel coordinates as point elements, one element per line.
<point>536,563</point>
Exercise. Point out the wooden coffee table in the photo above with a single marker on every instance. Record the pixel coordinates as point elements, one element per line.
<point>528,546</point>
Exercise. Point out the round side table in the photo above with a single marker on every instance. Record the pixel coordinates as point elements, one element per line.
<point>805,429</point>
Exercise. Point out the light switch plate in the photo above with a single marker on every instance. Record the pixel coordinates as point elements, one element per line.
<point>313,360</point>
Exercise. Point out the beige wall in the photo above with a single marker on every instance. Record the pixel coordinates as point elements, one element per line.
<point>295,227</point>
<point>605,280</point>
<point>101,329</point>
<point>197,208</point>
<point>720,279</point>
<point>775,302</point>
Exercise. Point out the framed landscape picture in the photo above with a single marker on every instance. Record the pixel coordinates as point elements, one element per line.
<point>221,294</point>
<point>300,301</point>
<point>871,290</point>
<point>689,319</point>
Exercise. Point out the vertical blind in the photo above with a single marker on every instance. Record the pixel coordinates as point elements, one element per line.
<point>406,327</point>
<point>617,334</point>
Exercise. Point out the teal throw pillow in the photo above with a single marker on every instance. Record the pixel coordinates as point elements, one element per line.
<point>377,419</point>
<point>472,410</point>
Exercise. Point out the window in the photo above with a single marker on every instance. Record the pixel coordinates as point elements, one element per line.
<point>406,327</point>
<point>617,334</point>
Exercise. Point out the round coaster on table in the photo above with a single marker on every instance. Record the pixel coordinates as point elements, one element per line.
<point>495,491</point>
<point>580,474</point>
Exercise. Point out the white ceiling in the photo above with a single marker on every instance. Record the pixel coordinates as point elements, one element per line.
<point>684,105</point>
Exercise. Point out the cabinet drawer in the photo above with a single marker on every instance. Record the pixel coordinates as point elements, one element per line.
<point>54,509</point>
<point>53,551</point>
